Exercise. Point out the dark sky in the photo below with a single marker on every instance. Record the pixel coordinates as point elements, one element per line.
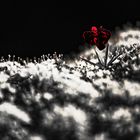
<point>30,28</point>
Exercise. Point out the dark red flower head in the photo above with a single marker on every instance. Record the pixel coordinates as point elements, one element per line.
<point>97,36</point>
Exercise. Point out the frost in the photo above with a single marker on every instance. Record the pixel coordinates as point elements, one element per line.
<point>78,115</point>
<point>132,87</point>
<point>118,114</point>
<point>36,138</point>
<point>15,111</point>
<point>3,77</point>
<point>47,96</point>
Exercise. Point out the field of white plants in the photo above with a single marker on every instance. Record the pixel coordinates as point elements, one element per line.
<point>58,99</point>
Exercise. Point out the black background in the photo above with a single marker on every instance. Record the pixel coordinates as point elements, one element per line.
<point>30,28</point>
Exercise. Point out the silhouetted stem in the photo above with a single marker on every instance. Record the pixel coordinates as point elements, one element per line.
<point>88,61</point>
<point>106,55</point>
<point>113,59</point>
<point>110,60</point>
<point>98,57</point>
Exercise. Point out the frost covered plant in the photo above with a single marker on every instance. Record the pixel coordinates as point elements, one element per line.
<point>99,37</point>
<point>49,98</point>
<point>127,63</point>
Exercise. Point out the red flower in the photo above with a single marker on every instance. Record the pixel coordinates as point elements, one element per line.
<point>97,36</point>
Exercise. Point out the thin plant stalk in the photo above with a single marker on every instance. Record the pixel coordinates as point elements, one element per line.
<point>110,60</point>
<point>113,59</point>
<point>98,57</point>
<point>88,61</point>
<point>106,55</point>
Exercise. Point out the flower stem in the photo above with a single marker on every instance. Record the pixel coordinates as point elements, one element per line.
<point>106,55</point>
<point>98,57</point>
